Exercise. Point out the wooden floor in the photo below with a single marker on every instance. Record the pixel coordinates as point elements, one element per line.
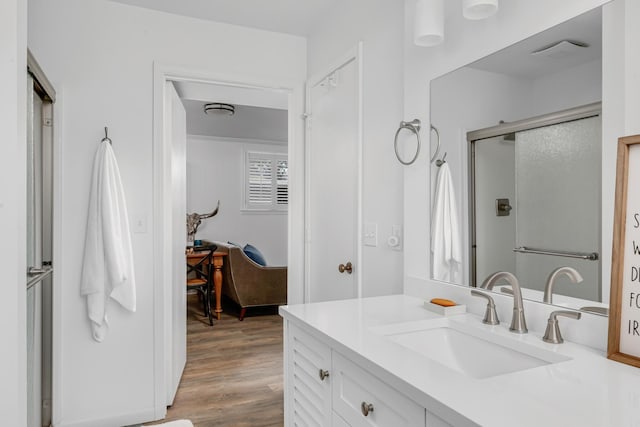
<point>233,375</point>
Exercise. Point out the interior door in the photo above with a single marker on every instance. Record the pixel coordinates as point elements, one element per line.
<point>39,254</point>
<point>333,196</point>
<point>176,120</point>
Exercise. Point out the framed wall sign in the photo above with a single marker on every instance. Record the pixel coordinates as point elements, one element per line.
<point>624,312</point>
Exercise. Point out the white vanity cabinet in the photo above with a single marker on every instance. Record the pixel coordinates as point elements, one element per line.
<point>307,379</point>
<point>365,401</point>
<point>326,388</point>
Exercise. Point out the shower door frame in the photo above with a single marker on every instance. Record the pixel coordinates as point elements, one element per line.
<point>40,86</point>
<point>563,116</point>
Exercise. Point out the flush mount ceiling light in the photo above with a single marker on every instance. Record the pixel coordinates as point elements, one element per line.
<point>560,49</point>
<point>219,109</point>
<point>479,9</point>
<point>428,29</point>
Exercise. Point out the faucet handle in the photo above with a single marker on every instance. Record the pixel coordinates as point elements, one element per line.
<point>490,314</point>
<point>552,334</point>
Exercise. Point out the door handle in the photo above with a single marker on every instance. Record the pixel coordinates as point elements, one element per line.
<point>34,271</point>
<point>38,274</point>
<point>348,267</point>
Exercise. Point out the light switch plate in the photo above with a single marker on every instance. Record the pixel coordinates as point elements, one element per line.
<point>139,224</point>
<point>370,234</point>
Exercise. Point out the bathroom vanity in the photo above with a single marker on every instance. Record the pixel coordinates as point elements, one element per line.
<point>386,361</point>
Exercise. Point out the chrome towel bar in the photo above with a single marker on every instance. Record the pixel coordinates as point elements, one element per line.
<point>592,256</point>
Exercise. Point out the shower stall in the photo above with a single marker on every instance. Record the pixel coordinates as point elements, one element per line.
<point>535,198</point>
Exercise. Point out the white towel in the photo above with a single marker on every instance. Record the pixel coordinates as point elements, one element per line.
<point>445,232</point>
<point>107,269</point>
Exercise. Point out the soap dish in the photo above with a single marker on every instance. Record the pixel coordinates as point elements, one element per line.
<point>445,311</point>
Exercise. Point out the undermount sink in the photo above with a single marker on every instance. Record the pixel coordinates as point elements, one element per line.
<point>472,351</point>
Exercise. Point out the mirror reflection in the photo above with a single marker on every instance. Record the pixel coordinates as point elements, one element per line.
<point>521,132</point>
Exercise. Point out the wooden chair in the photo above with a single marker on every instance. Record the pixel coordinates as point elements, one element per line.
<point>201,278</point>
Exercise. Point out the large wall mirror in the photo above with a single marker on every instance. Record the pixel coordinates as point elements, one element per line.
<point>521,132</point>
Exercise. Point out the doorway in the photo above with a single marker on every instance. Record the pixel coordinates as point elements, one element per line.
<point>40,177</point>
<point>168,373</point>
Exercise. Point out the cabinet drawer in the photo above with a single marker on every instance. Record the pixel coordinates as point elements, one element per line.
<point>354,387</point>
<point>310,394</point>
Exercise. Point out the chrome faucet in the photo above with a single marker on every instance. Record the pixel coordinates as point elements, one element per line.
<point>552,334</point>
<point>490,313</point>
<point>518,323</point>
<point>570,272</point>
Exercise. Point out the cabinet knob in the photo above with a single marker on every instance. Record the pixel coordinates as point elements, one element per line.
<point>348,267</point>
<point>366,408</point>
<point>323,374</point>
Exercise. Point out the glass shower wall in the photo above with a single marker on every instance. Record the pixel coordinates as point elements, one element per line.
<point>558,176</point>
<point>495,179</point>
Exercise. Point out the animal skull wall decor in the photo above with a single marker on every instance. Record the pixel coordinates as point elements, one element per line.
<point>195,219</point>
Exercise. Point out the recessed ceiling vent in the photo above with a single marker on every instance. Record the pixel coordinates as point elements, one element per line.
<point>219,109</point>
<point>561,49</point>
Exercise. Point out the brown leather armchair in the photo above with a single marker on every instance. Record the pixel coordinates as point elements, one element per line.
<point>250,284</point>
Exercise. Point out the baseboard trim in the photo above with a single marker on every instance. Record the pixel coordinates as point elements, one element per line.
<point>127,419</point>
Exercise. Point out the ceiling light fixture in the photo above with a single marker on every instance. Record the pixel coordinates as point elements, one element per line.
<point>428,25</point>
<point>428,29</point>
<point>219,109</point>
<point>479,9</point>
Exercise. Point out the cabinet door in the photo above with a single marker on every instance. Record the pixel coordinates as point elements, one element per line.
<point>363,400</point>
<point>309,380</point>
<point>338,421</point>
<point>436,421</point>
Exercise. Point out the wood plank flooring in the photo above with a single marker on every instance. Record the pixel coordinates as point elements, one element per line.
<point>233,376</point>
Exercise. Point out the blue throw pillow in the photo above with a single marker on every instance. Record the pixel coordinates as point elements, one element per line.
<point>254,254</point>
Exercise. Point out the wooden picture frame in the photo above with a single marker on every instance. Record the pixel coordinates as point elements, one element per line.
<point>624,312</point>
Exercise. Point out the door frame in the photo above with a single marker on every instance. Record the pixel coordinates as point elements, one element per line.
<point>163,72</point>
<point>352,55</point>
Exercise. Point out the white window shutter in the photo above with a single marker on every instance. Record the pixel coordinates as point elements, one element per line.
<point>266,181</point>
<point>282,182</point>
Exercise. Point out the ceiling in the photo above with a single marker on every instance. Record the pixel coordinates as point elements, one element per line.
<point>298,17</point>
<point>248,123</point>
<point>516,60</point>
<point>260,115</point>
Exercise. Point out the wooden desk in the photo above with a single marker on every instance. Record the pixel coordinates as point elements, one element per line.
<point>218,261</point>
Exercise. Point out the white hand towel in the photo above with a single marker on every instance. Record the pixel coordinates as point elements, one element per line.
<point>107,269</point>
<point>445,232</point>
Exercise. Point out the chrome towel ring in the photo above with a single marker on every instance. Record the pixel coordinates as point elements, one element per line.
<point>414,126</point>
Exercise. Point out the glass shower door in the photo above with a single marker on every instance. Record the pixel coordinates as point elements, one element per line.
<point>558,203</point>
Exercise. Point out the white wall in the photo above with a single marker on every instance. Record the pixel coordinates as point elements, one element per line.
<point>569,88</point>
<point>215,168</point>
<point>13,112</point>
<point>380,30</point>
<point>468,41</point>
<point>100,57</point>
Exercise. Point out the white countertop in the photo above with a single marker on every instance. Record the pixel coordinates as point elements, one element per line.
<point>588,390</point>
